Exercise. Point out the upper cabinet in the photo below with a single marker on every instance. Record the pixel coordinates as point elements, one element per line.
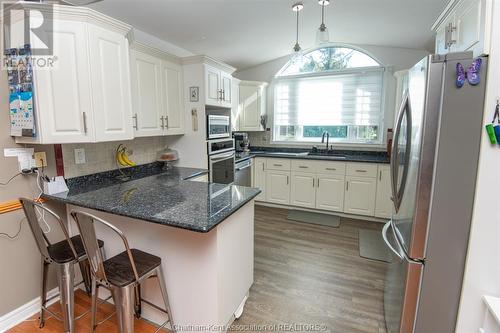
<point>465,25</point>
<point>218,88</point>
<point>85,96</point>
<point>157,91</point>
<point>252,105</point>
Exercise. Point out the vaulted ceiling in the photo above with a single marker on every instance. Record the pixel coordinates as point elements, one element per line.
<point>245,33</point>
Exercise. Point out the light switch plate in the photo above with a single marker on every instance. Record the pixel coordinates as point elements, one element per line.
<point>80,156</point>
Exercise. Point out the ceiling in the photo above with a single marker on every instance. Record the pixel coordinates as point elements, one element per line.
<point>245,33</point>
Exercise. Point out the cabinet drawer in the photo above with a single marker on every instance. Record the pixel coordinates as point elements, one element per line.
<point>362,170</point>
<point>331,168</point>
<point>278,164</point>
<point>303,166</point>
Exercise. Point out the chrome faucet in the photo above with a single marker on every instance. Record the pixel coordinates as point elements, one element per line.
<point>327,134</point>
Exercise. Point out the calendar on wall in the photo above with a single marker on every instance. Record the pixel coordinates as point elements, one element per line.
<point>20,76</point>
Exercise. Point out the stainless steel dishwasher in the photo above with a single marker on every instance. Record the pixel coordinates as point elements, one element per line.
<point>243,173</point>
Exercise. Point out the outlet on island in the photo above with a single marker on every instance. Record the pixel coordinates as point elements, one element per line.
<point>40,159</point>
<point>80,157</point>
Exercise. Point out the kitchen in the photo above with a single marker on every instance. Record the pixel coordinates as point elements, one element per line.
<point>271,176</point>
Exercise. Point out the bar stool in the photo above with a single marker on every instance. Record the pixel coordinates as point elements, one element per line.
<point>64,255</point>
<point>121,274</point>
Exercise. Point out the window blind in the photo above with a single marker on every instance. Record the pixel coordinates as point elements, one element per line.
<point>339,99</point>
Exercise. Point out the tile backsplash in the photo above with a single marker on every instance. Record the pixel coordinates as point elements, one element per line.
<point>101,156</point>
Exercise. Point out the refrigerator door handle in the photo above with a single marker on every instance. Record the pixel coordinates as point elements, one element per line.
<point>406,257</point>
<point>397,193</point>
<point>386,240</point>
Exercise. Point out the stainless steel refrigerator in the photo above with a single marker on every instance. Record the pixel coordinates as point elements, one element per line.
<point>433,171</point>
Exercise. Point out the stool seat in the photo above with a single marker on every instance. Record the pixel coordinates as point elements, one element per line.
<point>119,271</point>
<point>61,252</point>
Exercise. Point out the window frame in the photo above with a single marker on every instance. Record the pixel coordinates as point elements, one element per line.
<point>358,70</point>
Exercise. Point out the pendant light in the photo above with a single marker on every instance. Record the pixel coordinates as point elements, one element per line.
<point>322,35</point>
<point>297,50</point>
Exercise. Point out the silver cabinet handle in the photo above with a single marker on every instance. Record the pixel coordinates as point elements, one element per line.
<point>449,41</point>
<point>136,126</point>
<point>361,171</point>
<point>287,180</point>
<point>331,169</point>
<point>303,167</point>
<point>166,121</point>
<point>84,115</point>
<point>223,95</point>
<point>162,122</point>
<point>318,182</point>
<point>278,165</point>
<point>347,186</point>
<point>313,182</point>
<point>263,166</point>
<point>380,175</point>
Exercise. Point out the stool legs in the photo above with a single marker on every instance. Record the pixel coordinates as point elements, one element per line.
<point>137,301</point>
<point>163,287</point>
<point>65,276</point>
<point>87,278</point>
<point>43,292</point>
<point>124,303</point>
<point>95,293</point>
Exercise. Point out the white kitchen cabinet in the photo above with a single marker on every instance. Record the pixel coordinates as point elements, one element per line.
<point>383,202</point>
<point>330,192</point>
<point>63,94</point>
<point>259,177</point>
<point>360,195</point>
<point>110,76</point>
<point>157,93</point>
<point>278,187</point>
<point>218,86</point>
<point>146,77</point>
<point>86,96</point>
<point>464,26</point>
<point>172,98</point>
<point>303,189</point>
<point>252,97</point>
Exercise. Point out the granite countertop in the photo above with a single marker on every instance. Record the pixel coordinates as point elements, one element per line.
<point>297,153</point>
<point>155,195</point>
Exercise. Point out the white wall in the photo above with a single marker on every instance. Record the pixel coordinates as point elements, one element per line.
<point>482,271</point>
<point>394,59</point>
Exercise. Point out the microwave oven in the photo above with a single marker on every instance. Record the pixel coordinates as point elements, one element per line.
<point>218,127</point>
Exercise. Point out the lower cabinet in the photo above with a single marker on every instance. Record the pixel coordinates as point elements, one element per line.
<point>360,195</point>
<point>383,204</point>
<point>330,192</point>
<point>303,190</point>
<point>278,187</point>
<point>259,177</point>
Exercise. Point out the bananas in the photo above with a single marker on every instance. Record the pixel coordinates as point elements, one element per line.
<point>122,157</point>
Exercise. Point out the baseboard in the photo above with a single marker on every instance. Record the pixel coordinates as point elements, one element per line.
<point>25,311</point>
<point>350,216</point>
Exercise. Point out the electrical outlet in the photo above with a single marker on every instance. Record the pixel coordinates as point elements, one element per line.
<point>80,156</point>
<point>40,159</point>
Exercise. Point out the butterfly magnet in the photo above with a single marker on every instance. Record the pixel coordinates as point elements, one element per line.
<point>471,74</point>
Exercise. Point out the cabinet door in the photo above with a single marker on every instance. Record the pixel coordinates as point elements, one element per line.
<point>441,40</point>
<point>303,189</point>
<point>383,203</point>
<point>330,192</point>
<point>146,94</point>
<point>468,23</point>
<point>235,108</point>
<point>213,86</point>
<point>109,63</point>
<point>360,195</point>
<point>278,187</point>
<point>259,178</point>
<point>226,86</point>
<point>63,93</point>
<point>250,105</point>
<point>173,98</point>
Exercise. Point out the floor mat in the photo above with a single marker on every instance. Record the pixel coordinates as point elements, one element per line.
<point>314,218</point>
<point>372,246</point>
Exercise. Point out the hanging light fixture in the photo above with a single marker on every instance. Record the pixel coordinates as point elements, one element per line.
<point>297,50</point>
<point>322,35</point>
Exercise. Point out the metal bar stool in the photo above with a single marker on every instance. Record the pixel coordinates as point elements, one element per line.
<point>121,274</point>
<point>64,255</point>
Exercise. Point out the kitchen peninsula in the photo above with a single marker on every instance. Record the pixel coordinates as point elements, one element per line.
<point>202,231</point>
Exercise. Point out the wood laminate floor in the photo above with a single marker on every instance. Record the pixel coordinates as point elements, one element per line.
<point>304,275</point>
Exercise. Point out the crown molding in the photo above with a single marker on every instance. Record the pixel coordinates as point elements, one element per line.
<point>153,51</point>
<point>444,14</point>
<point>80,14</point>
<point>203,59</point>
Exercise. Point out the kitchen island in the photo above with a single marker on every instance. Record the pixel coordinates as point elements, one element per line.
<point>202,231</point>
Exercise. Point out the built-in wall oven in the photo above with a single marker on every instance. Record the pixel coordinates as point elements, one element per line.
<point>218,126</point>
<point>221,155</point>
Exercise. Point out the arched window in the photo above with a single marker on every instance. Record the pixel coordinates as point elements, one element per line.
<point>335,89</point>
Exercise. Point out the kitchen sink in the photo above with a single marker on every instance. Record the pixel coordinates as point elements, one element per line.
<point>328,154</point>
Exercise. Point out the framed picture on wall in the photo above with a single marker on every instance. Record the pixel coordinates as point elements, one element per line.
<point>194,94</point>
